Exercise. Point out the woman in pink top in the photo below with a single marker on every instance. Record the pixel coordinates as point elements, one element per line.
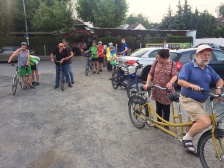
<point>101,55</point>
<point>164,74</point>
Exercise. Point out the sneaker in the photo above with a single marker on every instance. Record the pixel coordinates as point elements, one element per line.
<point>36,83</point>
<point>69,85</point>
<point>33,83</point>
<point>100,70</point>
<point>32,87</point>
<point>94,72</point>
<point>73,82</point>
<point>97,72</point>
<point>55,87</point>
<point>24,87</point>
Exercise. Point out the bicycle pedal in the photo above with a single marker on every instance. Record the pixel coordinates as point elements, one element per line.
<point>150,124</point>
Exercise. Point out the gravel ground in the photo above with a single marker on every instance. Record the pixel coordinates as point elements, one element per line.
<point>84,126</point>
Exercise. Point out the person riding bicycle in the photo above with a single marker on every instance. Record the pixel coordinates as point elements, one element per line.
<point>111,58</point>
<point>164,73</point>
<point>23,63</point>
<point>94,53</point>
<point>69,61</point>
<point>196,75</point>
<point>61,57</point>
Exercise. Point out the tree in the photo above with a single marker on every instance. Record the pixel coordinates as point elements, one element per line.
<point>133,19</point>
<point>184,19</point>
<point>102,13</point>
<point>221,10</point>
<point>8,13</point>
<point>54,18</point>
<point>168,22</point>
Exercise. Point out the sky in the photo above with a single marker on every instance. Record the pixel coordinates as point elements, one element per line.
<point>156,9</point>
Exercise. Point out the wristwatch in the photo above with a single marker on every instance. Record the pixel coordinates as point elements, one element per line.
<point>218,87</point>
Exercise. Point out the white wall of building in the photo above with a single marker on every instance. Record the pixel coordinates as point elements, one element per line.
<point>219,41</point>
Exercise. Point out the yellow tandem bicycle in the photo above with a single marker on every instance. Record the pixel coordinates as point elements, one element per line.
<point>210,148</point>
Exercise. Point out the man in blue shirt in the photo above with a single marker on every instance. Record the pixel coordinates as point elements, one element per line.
<point>124,48</point>
<point>195,75</point>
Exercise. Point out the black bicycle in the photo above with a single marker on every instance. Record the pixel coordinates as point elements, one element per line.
<point>89,63</point>
<point>62,77</point>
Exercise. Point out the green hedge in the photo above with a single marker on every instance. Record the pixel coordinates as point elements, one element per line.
<point>171,39</point>
<point>131,41</point>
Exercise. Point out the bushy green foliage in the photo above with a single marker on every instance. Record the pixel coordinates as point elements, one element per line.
<point>102,13</point>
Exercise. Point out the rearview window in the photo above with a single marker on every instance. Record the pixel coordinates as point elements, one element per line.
<point>138,53</point>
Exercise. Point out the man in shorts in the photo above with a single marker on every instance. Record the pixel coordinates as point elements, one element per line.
<point>101,55</point>
<point>94,56</point>
<point>196,75</point>
<point>34,62</point>
<point>23,63</point>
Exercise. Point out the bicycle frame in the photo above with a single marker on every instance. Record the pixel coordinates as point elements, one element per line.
<point>128,75</point>
<point>163,122</point>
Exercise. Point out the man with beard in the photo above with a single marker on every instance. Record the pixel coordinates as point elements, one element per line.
<point>196,75</point>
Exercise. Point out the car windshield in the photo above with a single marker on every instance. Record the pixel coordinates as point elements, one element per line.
<point>139,52</point>
<point>172,56</point>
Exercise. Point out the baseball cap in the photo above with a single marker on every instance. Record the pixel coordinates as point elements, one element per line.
<point>203,47</point>
<point>100,42</point>
<point>24,43</point>
<point>110,44</point>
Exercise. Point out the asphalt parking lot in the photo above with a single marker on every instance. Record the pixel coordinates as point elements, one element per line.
<point>84,126</point>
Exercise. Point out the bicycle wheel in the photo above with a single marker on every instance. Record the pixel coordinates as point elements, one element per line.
<point>207,154</point>
<point>115,81</point>
<point>137,112</point>
<point>14,84</point>
<point>133,87</point>
<point>87,69</point>
<point>62,81</point>
<point>123,82</point>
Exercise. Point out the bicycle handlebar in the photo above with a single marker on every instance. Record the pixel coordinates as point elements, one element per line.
<point>157,86</point>
<point>210,93</point>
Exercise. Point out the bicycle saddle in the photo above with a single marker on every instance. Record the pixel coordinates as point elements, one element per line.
<point>174,97</point>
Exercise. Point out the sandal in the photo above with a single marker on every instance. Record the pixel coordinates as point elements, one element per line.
<point>188,144</point>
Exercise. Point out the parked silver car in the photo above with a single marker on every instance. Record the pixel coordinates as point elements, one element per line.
<point>6,52</point>
<point>145,56</point>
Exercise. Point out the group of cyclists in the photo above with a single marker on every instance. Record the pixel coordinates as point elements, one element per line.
<point>195,75</point>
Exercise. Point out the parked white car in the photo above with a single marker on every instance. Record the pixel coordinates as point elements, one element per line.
<point>145,56</point>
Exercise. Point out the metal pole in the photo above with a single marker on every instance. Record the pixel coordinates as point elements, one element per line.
<point>27,36</point>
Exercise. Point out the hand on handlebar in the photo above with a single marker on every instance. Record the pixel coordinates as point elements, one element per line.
<point>195,87</point>
<point>145,87</point>
<point>169,85</point>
